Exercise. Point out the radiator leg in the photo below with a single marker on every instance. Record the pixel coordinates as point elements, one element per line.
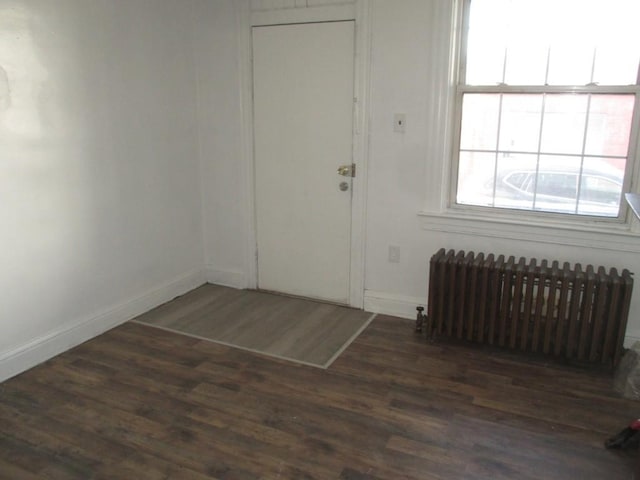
<point>420,318</point>
<point>428,328</point>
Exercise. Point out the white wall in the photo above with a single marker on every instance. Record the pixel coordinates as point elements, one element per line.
<point>100,206</point>
<point>123,165</point>
<point>225,196</point>
<point>406,173</point>
<point>400,77</point>
<point>275,4</point>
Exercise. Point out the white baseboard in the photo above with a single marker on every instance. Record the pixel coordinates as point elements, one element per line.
<point>226,278</point>
<point>38,350</point>
<point>392,304</point>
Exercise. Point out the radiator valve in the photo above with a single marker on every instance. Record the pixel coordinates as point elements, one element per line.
<point>420,318</point>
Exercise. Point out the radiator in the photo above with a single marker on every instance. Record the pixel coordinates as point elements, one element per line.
<point>576,313</point>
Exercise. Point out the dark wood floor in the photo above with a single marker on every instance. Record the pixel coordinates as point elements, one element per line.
<point>142,403</point>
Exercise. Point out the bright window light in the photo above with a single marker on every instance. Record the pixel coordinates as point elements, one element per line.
<point>547,105</point>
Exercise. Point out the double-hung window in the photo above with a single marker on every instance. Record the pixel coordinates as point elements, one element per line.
<point>548,107</point>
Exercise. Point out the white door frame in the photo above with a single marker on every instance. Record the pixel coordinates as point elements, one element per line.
<point>359,11</point>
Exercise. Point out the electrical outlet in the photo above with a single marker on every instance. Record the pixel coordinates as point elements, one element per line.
<point>394,254</point>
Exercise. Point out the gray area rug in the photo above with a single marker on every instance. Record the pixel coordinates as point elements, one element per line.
<point>300,330</point>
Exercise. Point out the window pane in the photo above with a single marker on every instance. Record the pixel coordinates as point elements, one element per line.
<point>486,42</point>
<point>617,65</point>
<point>485,65</point>
<point>556,183</point>
<point>617,39</point>
<point>609,125</point>
<point>564,123</point>
<point>573,30</point>
<point>479,122</point>
<point>570,64</point>
<point>514,177</point>
<point>571,41</point>
<point>526,64</point>
<point>475,178</point>
<point>601,187</point>
<point>520,123</point>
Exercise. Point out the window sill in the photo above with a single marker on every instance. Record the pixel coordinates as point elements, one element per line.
<point>617,237</point>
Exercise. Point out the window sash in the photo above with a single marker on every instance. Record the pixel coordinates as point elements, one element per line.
<point>596,89</point>
<point>631,163</point>
<point>464,13</point>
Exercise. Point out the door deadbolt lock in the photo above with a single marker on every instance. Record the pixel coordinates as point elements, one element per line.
<point>344,186</point>
<point>347,170</point>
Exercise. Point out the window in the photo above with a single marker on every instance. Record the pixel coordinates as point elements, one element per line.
<point>547,101</point>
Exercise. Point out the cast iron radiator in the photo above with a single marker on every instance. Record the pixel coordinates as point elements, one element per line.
<point>573,312</point>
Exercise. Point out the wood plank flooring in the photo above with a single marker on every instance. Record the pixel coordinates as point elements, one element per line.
<point>143,403</point>
<point>291,328</point>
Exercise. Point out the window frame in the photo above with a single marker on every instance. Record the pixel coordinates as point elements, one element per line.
<point>632,168</point>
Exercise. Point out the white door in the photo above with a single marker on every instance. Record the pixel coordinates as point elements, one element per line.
<point>303,77</point>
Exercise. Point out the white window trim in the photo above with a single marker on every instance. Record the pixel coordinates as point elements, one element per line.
<point>441,213</point>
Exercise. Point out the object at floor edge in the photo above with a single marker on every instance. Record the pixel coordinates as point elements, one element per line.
<point>626,438</point>
<point>627,376</point>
